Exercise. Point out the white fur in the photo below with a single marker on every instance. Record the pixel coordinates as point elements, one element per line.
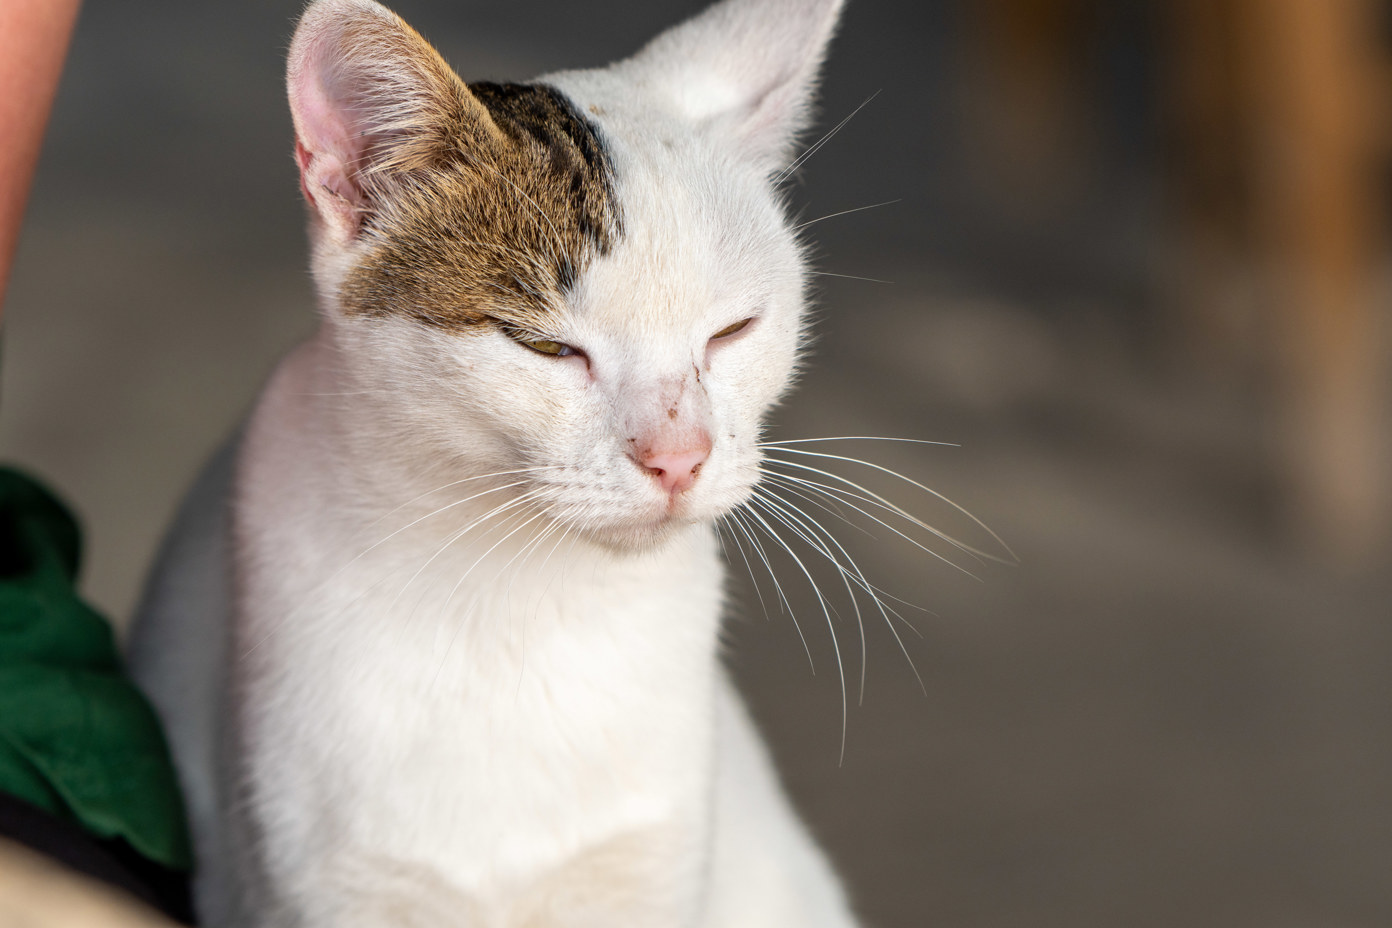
<point>418,713</point>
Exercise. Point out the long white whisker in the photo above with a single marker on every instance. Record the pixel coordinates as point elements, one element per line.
<point>491,514</point>
<point>791,485</point>
<point>517,560</point>
<point>802,158</point>
<point>498,518</point>
<point>459,625</point>
<point>785,606</point>
<point>872,280</point>
<point>826,611</point>
<point>912,482</point>
<point>739,546</point>
<point>844,497</point>
<point>878,592</point>
<point>876,500</point>
<point>845,212</point>
<point>502,473</point>
<point>767,502</point>
<point>809,441</point>
<point>784,603</point>
<point>565,531</point>
<point>826,503</point>
<point>459,582</point>
<point>561,536</point>
<point>428,515</point>
<point>287,617</point>
<point>515,563</point>
<point>859,575</point>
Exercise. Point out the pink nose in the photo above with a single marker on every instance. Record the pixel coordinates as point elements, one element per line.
<point>676,470</point>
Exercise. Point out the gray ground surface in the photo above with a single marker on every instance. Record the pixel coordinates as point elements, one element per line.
<point>1163,716</point>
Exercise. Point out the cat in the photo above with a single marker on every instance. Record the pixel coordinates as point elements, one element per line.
<point>435,636</point>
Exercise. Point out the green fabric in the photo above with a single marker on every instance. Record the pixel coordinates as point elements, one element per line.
<point>76,737</point>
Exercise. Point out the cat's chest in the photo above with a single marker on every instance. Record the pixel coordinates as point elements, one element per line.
<point>496,724</point>
<point>499,769</point>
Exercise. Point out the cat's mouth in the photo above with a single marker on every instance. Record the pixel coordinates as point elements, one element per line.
<point>648,527</point>
<point>621,513</point>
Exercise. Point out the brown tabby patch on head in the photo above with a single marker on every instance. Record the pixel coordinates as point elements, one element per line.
<point>497,222</point>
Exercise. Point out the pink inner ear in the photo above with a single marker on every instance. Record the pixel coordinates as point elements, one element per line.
<point>326,149</point>
<point>321,173</point>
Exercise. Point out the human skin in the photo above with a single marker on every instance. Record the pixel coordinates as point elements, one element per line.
<point>34,38</point>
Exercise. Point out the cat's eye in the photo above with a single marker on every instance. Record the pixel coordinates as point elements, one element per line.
<point>732,329</point>
<point>540,345</point>
<point>546,346</point>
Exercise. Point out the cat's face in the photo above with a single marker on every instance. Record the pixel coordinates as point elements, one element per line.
<point>589,279</point>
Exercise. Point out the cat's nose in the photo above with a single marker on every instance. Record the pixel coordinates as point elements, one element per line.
<point>676,470</point>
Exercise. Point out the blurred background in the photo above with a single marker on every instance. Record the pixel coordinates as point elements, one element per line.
<point>1135,268</point>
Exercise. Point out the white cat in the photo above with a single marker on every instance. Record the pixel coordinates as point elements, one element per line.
<point>448,655</point>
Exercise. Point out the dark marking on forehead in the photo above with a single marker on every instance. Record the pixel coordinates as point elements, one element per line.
<point>500,224</point>
<point>542,113</point>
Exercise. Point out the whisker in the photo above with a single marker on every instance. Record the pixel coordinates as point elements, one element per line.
<point>873,280</point>
<point>462,577</point>
<point>459,625</point>
<point>288,616</point>
<point>491,514</point>
<point>514,565</point>
<point>502,473</point>
<point>766,502</point>
<point>739,546</point>
<point>934,493</point>
<point>831,627</point>
<point>499,517</point>
<point>841,496</point>
<point>872,589</point>
<point>515,562</point>
<point>869,587</point>
<point>827,503</point>
<point>348,393</point>
<point>802,158</point>
<point>846,212</point>
<point>876,593</point>
<point>565,531</point>
<point>428,515</point>
<point>862,581</point>
<point>785,605</point>
<point>808,441</point>
<point>561,537</point>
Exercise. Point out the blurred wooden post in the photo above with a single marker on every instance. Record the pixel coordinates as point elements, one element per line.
<point>1208,120</point>
<point>1319,201</point>
<point>1028,106</point>
<point>1278,111</point>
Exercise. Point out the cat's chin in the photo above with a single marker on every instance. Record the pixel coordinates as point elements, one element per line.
<point>640,536</point>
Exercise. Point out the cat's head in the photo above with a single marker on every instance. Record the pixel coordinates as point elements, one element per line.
<point>591,275</point>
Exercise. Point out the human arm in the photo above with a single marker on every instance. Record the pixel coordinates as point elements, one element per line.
<point>33,43</point>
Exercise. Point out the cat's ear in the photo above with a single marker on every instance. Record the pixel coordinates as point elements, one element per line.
<point>371,101</point>
<point>747,68</point>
